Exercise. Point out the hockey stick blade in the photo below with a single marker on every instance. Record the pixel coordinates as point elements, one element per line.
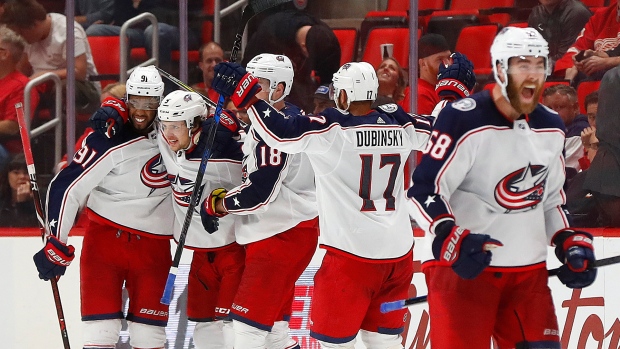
<point>25,136</point>
<point>395,305</point>
<point>254,7</point>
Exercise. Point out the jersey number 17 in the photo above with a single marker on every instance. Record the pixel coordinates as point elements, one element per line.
<point>366,180</point>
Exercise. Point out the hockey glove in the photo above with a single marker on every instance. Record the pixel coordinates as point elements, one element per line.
<point>110,117</point>
<point>53,259</point>
<point>467,253</point>
<point>574,249</point>
<point>208,215</point>
<point>226,135</point>
<point>457,80</point>
<point>232,80</point>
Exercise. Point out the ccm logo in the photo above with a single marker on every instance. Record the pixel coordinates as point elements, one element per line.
<point>52,256</point>
<point>579,238</point>
<point>450,252</point>
<point>244,84</point>
<point>114,104</point>
<point>222,310</point>
<point>153,312</point>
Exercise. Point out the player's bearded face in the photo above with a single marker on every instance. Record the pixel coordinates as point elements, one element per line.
<point>526,77</point>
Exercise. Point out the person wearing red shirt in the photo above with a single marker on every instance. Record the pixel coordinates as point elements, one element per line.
<point>596,49</point>
<point>211,54</point>
<point>433,50</point>
<point>12,83</point>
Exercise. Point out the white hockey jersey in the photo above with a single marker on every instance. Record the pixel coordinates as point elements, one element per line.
<point>221,172</point>
<point>122,181</point>
<point>358,163</point>
<point>277,191</point>
<point>493,176</point>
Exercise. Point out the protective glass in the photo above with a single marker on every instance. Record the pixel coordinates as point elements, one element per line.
<point>144,103</point>
<point>177,128</point>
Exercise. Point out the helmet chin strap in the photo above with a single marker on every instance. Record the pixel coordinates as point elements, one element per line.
<point>271,101</point>
<point>337,100</point>
<point>501,84</point>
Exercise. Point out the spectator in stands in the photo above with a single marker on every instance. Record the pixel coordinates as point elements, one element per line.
<point>588,135</point>
<point>140,35</point>
<point>580,202</point>
<point>322,99</point>
<point>433,49</point>
<point>392,82</point>
<point>16,205</point>
<point>46,35</point>
<point>89,12</point>
<point>116,90</point>
<point>310,44</point>
<point>559,22</point>
<point>595,50</point>
<point>603,177</point>
<point>563,100</point>
<point>210,54</point>
<point>12,83</point>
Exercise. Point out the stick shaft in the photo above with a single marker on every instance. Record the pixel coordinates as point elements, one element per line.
<point>25,136</point>
<point>390,306</point>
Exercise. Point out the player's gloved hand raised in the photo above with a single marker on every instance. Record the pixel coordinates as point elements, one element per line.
<point>208,215</point>
<point>467,253</point>
<point>226,135</point>
<point>110,117</point>
<point>457,80</point>
<point>53,259</point>
<point>232,80</point>
<point>574,249</point>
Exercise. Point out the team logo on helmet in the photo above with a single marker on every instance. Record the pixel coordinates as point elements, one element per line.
<point>154,174</point>
<point>522,189</point>
<point>346,66</point>
<point>187,97</point>
<point>280,58</point>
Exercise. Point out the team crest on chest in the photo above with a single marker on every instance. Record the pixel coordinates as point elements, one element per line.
<point>182,189</point>
<point>154,174</point>
<point>522,189</point>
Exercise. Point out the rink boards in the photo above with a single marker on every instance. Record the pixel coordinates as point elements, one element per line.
<point>588,318</point>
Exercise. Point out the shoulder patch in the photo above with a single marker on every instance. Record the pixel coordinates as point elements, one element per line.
<point>389,108</point>
<point>465,104</point>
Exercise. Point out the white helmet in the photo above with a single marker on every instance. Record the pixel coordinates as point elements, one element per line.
<point>513,42</point>
<point>182,106</point>
<point>145,81</point>
<point>359,80</point>
<point>276,69</point>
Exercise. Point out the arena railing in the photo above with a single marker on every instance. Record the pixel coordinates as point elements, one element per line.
<point>124,71</point>
<point>219,13</point>
<point>56,122</point>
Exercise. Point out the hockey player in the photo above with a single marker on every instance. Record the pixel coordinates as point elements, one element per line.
<point>217,262</point>
<point>492,176</point>
<point>277,223</point>
<point>357,155</point>
<point>124,186</point>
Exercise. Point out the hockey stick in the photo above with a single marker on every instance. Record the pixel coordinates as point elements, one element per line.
<point>395,305</point>
<point>23,131</point>
<point>184,86</point>
<point>253,8</point>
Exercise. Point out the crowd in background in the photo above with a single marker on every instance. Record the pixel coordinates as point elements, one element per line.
<point>584,46</point>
